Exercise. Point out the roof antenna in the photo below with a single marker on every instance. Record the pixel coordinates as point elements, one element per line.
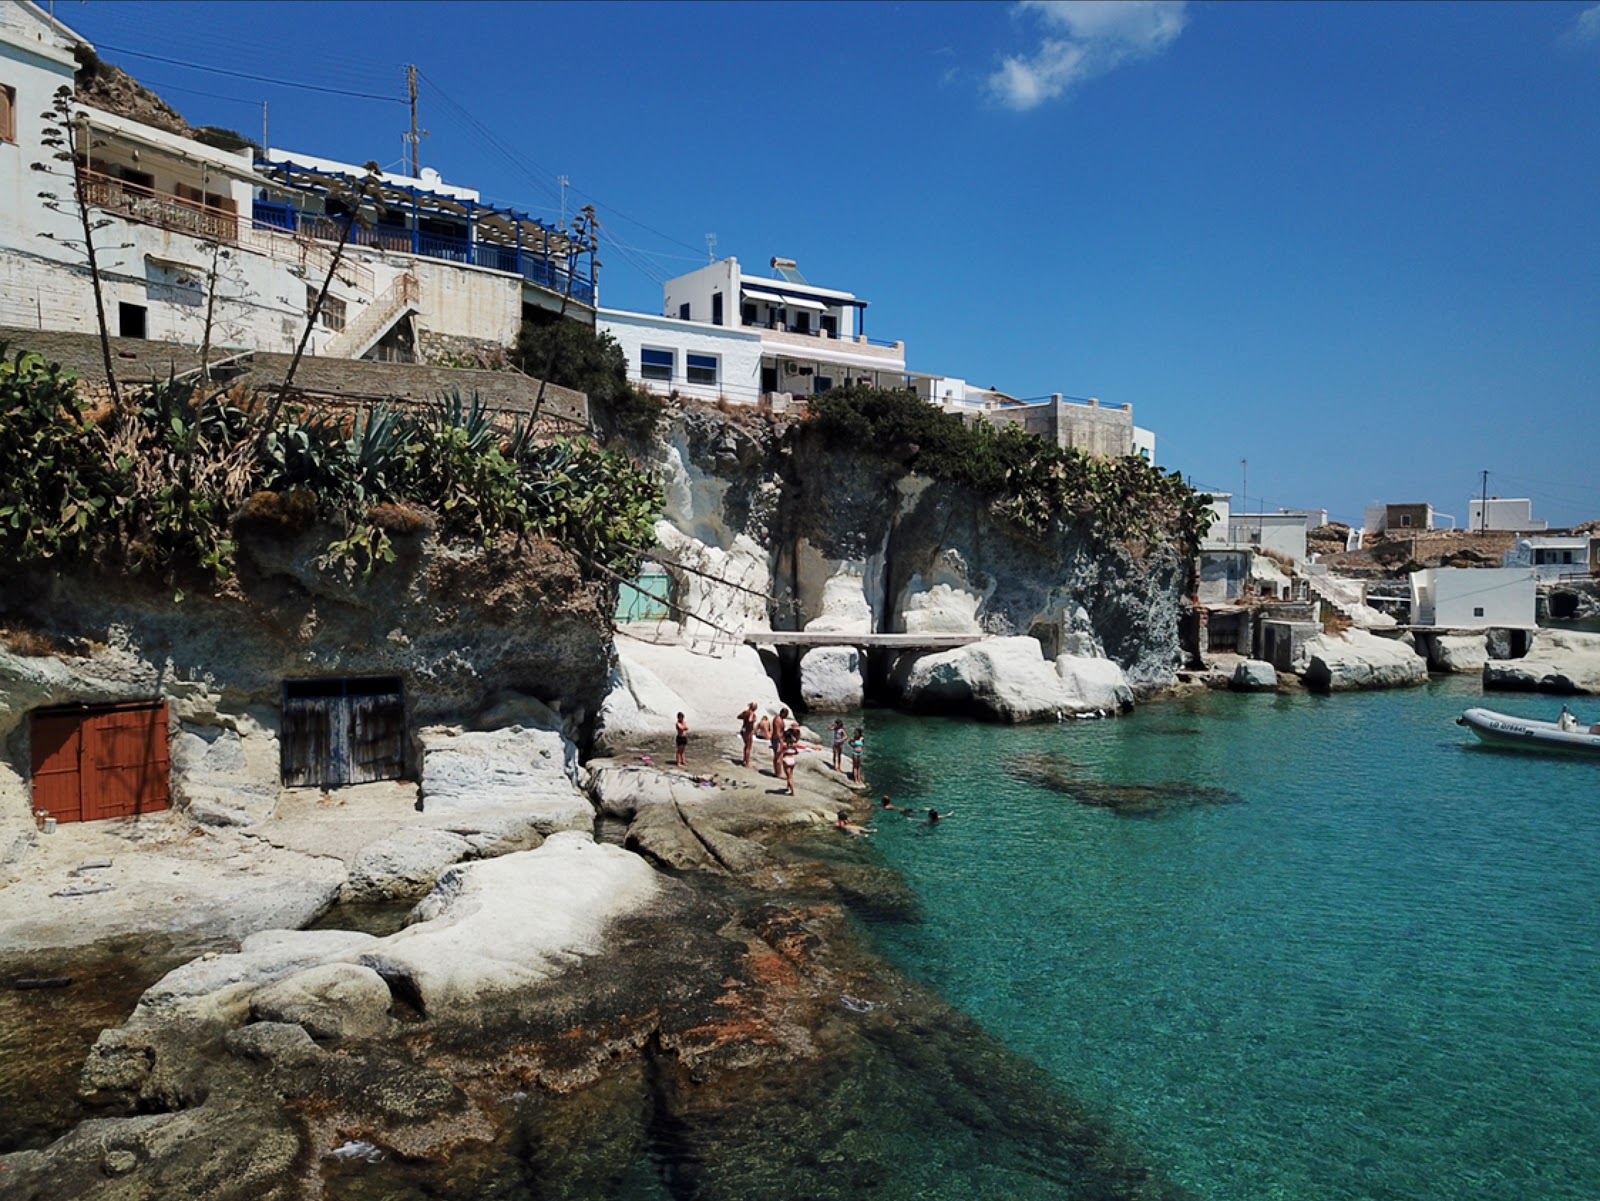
<point>711,248</point>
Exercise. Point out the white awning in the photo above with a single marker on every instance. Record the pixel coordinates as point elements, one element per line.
<point>793,302</point>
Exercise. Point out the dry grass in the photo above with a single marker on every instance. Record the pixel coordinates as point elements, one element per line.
<point>401,518</point>
<point>34,644</point>
<point>291,512</point>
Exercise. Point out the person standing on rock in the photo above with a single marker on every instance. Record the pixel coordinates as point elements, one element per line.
<point>747,731</point>
<point>857,746</point>
<point>838,744</point>
<point>791,754</point>
<point>683,739</point>
<point>780,724</point>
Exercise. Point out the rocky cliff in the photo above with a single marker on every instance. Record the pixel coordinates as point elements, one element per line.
<point>852,541</point>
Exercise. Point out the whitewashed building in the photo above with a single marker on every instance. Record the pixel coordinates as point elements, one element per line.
<point>1473,598</point>
<point>1503,513</point>
<point>431,269</point>
<point>1553,556</point>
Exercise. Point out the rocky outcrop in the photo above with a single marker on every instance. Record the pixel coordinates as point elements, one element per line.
<point>1357,660</point>
<point>832,679</point>
<point>1559,661</point>
<point>1009,680</point>
<point>656,682</point>
<point>1253,675</point>
<point>1463,654</point>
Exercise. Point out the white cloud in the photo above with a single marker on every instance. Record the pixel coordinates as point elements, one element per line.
<point>1082,39</point>
<point>1586,29</point>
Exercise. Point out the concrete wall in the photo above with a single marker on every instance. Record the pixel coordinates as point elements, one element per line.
<point>738,353</point>
<point>1280,533</point>
<point>1502,514</point>
<point>1473,597</point>
<point>1223,575</point>
<point>1092,428</point>
<point>1407,517</point>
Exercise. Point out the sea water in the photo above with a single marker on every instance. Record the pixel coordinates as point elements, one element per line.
<point>1292,947</point>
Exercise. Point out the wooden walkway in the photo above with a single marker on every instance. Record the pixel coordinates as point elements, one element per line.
<point>908,642</point>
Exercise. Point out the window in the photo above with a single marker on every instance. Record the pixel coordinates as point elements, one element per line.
<point>716,308</point>
<point>1477,611</point>
<point>822,384</point>
<point>683,312</point>
<point>830,325</point>
<point>656,364</point>
<point>8,113</point>
<point>333,309</point>
<point>131,320</point>
<point>1405,519</point>
<point>802,322</point>
<point>701,368</point>
<point>748,314</point>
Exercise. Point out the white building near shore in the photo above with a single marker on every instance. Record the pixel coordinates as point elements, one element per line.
<point>1474,598</point>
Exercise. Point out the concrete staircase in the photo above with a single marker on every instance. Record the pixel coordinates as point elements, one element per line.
<point>1344,596</point>
<point>377,319</point>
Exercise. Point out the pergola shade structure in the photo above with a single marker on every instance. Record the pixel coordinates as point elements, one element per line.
<point>410,218</point>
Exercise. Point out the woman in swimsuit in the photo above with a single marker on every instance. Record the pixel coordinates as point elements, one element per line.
<point>838,745</point>
<point>683,738</point>
<point>791,755</point>
<point>857,745</point>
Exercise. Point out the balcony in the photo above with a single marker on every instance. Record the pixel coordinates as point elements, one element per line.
<point>494,256</point>
<point>819,344</point>
<point>149,207</point>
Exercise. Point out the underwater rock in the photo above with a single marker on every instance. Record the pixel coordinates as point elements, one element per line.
<point>1125,800</point>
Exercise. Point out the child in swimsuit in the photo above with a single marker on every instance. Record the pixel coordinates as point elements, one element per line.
<point>838,745</point>
<point>857,745</point>
<point>683,738</point>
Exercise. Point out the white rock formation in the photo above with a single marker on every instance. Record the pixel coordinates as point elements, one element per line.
<point>220,986</point>
<point>403,866</point>
<point>332,1001</point>
<point>1007,679</point>
<point>1357,659</point>
<point>831,679</point>
<point>1462,653</point>
<point>716,589</point>
<point>1254,675</point>
<point>945,601</point>
<point>496,926</point>
<point>226,775</point>
<point>1091,683</point>
<point>838,594</point>
<point>533,770</point>
<point>1563,661</point>
<point>657,681</point>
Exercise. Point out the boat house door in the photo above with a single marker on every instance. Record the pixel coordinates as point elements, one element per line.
<point>97,761</point>
<point>342,731</point>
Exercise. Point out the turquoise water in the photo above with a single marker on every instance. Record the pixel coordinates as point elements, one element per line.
<point>1364,965</point>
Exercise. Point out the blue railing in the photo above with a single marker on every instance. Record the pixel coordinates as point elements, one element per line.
<point>532,267</point>
<point>882,342</point>
<point>266,215</point>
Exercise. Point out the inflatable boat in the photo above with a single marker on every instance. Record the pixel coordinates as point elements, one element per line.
<point>1523,733</point>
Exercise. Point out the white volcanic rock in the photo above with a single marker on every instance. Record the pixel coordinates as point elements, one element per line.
<point>1254,675</point>
<point>526,776</point>
<point>332,1001</point>
<point>221,985</point>
<point>1463,653</point>
<point>660,680</point>
<point>403,866</point>
<point>837,594</point>
<point>1563,661</point>
<point>1357,660</point>
<point>1007,679</point>
<point>494,927</point>
<point>225,776</point>
<point>1093,683</point>
<point>831,679</point>
<point>716,587</point>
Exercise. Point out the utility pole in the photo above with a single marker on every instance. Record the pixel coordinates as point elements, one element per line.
<point>1244,485</point>
<point>414,138</point>
<point>265,144</point>
<point>564,182</point>
<point>1483,505</point>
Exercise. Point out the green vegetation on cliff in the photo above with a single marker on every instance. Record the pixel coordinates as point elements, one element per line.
<point>165,482</point>
<point>1030,481</point>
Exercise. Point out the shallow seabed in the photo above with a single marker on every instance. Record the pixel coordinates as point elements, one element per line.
<point>1351,955</point>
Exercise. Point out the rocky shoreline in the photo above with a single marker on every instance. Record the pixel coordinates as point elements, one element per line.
<point>548,1013</point>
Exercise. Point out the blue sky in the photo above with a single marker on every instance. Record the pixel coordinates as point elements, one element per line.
<point>1357,245</point>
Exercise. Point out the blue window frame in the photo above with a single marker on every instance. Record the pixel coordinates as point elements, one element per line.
<point>701,368</point>
<point>656,364</point>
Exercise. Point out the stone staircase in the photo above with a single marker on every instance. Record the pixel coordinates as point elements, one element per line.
<point>378,318</point>
<point>1344,596</point>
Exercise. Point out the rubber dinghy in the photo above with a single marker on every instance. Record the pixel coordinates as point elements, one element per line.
<point>1523,733</point>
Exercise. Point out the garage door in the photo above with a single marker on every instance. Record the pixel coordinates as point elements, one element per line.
<point>94,762</point>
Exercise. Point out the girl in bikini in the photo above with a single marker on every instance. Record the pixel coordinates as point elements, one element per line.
<point>791,754</point>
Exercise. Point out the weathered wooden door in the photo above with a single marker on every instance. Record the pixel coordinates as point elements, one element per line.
<point>342,731</point>
<point>94,762</point>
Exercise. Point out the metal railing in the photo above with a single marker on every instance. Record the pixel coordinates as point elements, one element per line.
<point>146,205</point>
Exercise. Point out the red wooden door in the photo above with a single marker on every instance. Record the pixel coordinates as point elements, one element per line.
<point>104,762</point>
<point>57,755</point>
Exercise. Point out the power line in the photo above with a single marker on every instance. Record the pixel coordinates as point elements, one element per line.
<point>286,83</point>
